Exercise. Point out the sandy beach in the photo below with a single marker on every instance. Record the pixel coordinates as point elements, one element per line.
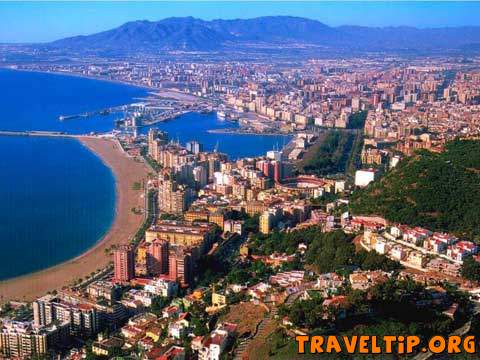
<point>126,172</point>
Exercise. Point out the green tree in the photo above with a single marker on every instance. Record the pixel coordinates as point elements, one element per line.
<point>471,269</point>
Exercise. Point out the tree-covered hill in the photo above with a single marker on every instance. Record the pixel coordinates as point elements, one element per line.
<point>437,191</point>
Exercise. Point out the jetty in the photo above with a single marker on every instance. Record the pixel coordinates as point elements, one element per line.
<point>43,134</point>
<point>93,113</point>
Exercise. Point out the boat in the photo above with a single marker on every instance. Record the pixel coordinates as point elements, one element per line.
<point>67,117</point>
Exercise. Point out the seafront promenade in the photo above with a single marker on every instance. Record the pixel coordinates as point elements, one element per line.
<point>126,171</point>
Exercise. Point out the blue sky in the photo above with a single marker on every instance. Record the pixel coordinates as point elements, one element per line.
<point>46,21</point>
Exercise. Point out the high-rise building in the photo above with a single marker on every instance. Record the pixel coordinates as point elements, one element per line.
<point>124,263</point>
<point>22,340</point>
<point>274,155</point>
<point>86,317</point>
<point>141,268</point>
<point>200,176</point>
<point>180,266</point>
<point>267,169</point>
<point>156,138</point>
<point>194,147</point>
<point>172,197</point>
<point>199,235</point>
<point>157,260</point>
<point>83,318</point>
<point>277,171</point>
<point>265,222</point>
<point>269,219</point>
<point>356,103</point>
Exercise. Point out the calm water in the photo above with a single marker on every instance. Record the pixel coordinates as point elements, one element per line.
<point>195,126</point>
<point>34,101</point>
<point>57,198</point>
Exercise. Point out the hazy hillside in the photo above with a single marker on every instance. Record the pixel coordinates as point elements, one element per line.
<point>195,34</point>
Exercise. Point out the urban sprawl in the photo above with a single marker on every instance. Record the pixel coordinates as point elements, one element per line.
<point>229,251</point>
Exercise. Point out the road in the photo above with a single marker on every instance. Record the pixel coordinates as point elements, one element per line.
<point>461,331</point>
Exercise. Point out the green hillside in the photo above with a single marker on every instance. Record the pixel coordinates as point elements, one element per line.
<point>437,191</point>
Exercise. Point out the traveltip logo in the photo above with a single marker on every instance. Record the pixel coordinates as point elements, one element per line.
<point>365,344</point>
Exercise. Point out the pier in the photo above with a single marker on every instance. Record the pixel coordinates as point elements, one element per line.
<point>167,116</point>
<point>93,113</point>
<point>43,134</point>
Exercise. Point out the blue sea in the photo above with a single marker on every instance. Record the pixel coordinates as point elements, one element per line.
<point>194,126</point>
<point>57,199</point>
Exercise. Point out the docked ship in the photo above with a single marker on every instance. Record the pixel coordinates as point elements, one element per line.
<point>221,115</point>
<point>67,117</point>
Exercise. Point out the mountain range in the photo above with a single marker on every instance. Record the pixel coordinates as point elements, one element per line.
<point>192,34</point>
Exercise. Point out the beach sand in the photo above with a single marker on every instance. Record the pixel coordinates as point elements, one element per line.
<point>126,171</point>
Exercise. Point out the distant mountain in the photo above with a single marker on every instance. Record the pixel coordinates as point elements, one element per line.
<point>191,34</point>
<point>171,33</point>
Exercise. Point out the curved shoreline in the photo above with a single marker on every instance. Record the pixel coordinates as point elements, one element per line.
<point>126,171</point>
<point>83,76</point>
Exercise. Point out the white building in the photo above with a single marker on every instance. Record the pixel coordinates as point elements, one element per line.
<point>394,161</point>
<point>398,252</point>
<point>215,343</point>
<point>233,226</point>
<point>162,287</point>
<point>274,155</point>
<point>365,177</point>
<point>381,245</point>
<point>339,186</point>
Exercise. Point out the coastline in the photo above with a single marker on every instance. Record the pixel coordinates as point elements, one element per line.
<point>126,171</point>
<point>162,92</point>
<point>83,76</point>
<point>240,132</point>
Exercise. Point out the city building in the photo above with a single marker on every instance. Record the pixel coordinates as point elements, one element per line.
<point>365,177</point>
<point>180,266</point>
<point>82,317</point>
<point>124,263</point>
<point>24,340</point>
<point>173,198</point>
<point>194,147</point>
<point>186,233</point>
<point>157,257</point>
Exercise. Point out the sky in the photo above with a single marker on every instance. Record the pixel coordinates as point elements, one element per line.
<point>47,21</point>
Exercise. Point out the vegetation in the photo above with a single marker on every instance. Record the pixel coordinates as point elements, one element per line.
<point>471,269</point>
<point>357,120</point>
<point>137,185</point>
<point>326,252</point>
<point>251,223</point>
<point>250,272</point>
<point>153,164</point>
<point>437,191</point>
<point>139,235</point>
<point>135,211</point>
<point>158,304</point>
<point>355,159</point>
<point>166,216</point>
<point>329,155</point>
<point>394,307</point>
